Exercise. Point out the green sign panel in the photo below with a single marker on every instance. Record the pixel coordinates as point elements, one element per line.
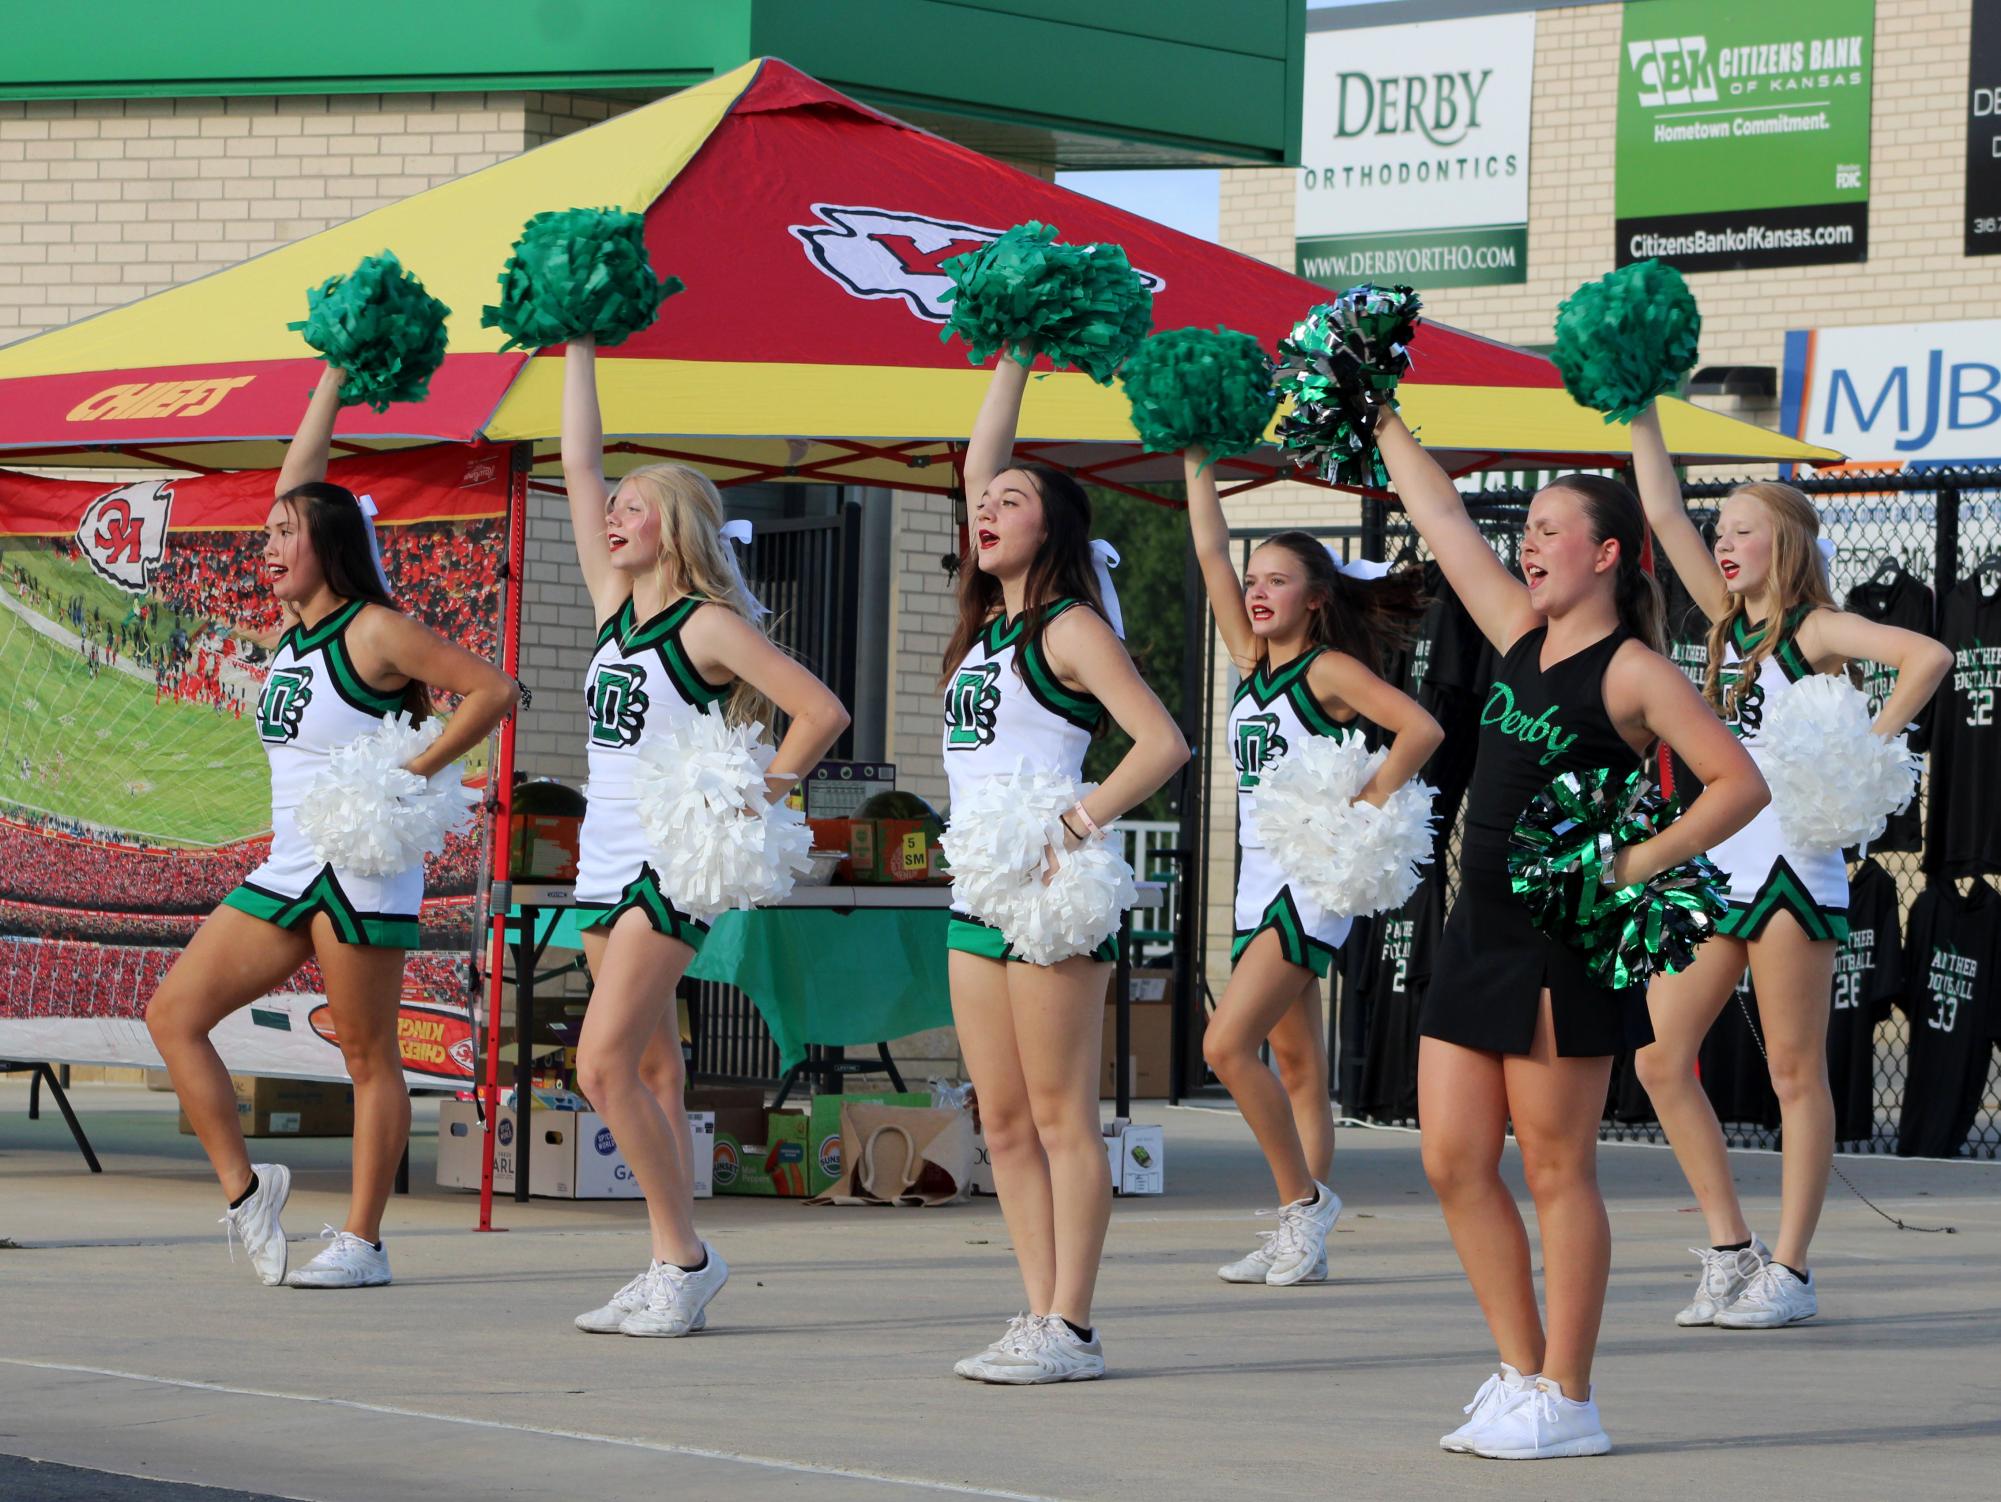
<point>1744,132</point>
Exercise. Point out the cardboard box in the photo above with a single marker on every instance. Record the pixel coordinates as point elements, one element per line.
<point>574,1156</point>
<point>823,1159</point>
<point>1152,1037</point>
<point>739,1110</point>
<point>289,1108</point>
<point>773,1166</point>
<point>1138,1157</point>
<point>893,850</point>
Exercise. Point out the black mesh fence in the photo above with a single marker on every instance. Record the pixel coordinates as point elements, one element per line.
<point>1903,542</point>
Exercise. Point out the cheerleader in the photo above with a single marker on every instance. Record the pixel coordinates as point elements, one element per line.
<point>678,635</point>
<point>1034,669</point>
<point>1772,623</point>
<point>347,657</point>
<point>1523,1036</point>
<point>1308,635</point>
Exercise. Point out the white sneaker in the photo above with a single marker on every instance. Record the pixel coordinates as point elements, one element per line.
<point>1252,1268</point>
<point>1500,1391</point>
<point>1773,1298</point>
<point>1018,1329</point>
<point>347,1262</point>
<point>1049,1352</point>
<point>606,1318</point>
<point>1542,1424</point>
<point>1300,1242</point>
<point>1724,1276</point>
<point>677,1301</point>
<point>255,1223</point>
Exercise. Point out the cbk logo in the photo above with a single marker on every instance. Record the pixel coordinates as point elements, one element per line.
<point>124,533</point>
<point>890,253</point>
<point>1673,70</point>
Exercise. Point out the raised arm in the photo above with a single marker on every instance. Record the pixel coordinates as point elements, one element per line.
<point>991,446</point>
<point>1211,534</point>
<point>1414,734</point>
<point>725,645</point>
<point>1084,654</point>
<point>1645,689</point>
<point>1495,598</point>
<point>1660,496</point>
<point>1831,637</point>
<point>583,477</point>
<point>306,454</point>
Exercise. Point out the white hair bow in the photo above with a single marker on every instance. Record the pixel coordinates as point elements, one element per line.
<point>367,505</point>
<point>1105,558</point>
<point>1827,551</point>
<point>741,531</point>
<point>1364,569</point>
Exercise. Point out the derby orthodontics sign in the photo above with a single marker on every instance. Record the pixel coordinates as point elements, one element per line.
<point>1414,153</point>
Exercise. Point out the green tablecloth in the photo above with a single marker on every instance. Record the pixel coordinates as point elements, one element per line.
<point>818,975</point>
<point>833,975</point>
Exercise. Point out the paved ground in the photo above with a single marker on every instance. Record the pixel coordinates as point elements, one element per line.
<point>131,1348</point>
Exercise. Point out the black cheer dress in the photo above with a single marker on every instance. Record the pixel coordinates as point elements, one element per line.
<point>1493,964</point>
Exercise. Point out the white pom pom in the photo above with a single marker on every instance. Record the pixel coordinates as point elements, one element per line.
<point>1345,857</point>
<point>1073,912</point>
<point>998,844</point>
<point>1000,833</point>
<point>367,814</point>
<point>1834,781</point>
<point>718,842</point>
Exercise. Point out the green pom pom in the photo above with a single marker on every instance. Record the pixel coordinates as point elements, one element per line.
<point>578,273</point>
<point>379,325</point>
<point>1627,338</point>
<point>1197,388</point>
<point>1081,305</point>
<point>1557,857</point>
<point>1341,365</point>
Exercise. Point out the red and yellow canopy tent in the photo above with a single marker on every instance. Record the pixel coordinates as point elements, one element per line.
<point>810,231</point>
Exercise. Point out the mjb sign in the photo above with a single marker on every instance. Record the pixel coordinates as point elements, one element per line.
<point>1924,393</point>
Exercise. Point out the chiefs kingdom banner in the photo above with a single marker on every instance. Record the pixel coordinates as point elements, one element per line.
<point>134,789</point>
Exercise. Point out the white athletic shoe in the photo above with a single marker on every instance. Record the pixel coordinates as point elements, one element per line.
<point>1725,1275</point>
<point>1499,1392</point>
<point>1252,1268</point>
<point>606,1318</point>
<point>1049,1352</point>
<point>1543,1425</point>
<point>1018,1330</point>
<point>676,1302</point>
<point>1773,1298</point>
<point>347,1262</point>
<point>255,1223</point>
<point>1300,1243</point>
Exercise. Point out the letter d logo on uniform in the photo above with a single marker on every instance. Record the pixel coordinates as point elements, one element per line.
<point>124,533</point>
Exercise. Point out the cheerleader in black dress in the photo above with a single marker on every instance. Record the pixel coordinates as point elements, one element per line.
<point>1524,1036</point>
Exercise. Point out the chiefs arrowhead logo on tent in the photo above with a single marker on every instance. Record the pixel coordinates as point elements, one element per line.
<point>124,533</point>
<point>888,253</point>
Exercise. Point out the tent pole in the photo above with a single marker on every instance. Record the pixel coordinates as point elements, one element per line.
<point>501,811</point>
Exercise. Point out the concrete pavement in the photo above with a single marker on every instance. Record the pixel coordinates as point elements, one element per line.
<point>131,1345</point>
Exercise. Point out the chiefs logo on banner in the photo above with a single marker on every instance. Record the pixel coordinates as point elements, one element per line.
<point>435,1041</point>
<point>124,533</point>
<point>889,253</point>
